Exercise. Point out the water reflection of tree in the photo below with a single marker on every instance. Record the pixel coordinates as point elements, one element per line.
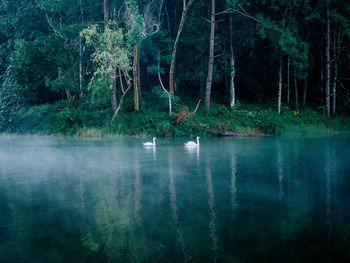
<point>267,221</point>
<point>93,218</point>
<point>116,227</point>
<point>174,210</point>
<point>212,213</point>
<point>233,190</point>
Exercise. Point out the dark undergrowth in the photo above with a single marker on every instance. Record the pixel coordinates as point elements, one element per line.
<point>80,117</point>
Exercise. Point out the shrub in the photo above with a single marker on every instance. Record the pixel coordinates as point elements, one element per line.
<point>11,105</point>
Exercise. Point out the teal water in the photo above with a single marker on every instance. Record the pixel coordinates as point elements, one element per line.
<point>276,199</point>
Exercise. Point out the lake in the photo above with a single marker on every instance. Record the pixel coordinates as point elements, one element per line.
<point>269,199</point>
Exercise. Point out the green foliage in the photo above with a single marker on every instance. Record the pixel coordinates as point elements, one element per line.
<point>45,45</point>
<point>110,50</point>
<point>11,104</point>
<point>80,117</point>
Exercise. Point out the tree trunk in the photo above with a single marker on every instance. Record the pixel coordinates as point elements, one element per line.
<point>105,12</point>
<point>168,21</point>
<point>306,77</point>
<point>113,93</point>
<point>296,90</point>
<point>81,92</point>
<point>135,76</point>
<point>211,56</point>
<point>59,75</point>
<point>111,76</point>
<point>322,84</point>
<point>139,75</point>
<point>328,62</point>
<point>162,86</point>
<point>336,53</point>
<point>124,92</point>
<point>233,71</point>
<point>280,82</point>
<point>173,54</point>
<point>304,91</point>
<point>121,100</point>
<point>288,79</point>
<point>80,69</point>
<point>335,86</point>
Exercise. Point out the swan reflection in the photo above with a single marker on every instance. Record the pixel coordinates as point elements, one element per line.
<point>194,151</point>
<point>151,150</point>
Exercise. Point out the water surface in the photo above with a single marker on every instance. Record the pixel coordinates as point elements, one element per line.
<point>230,200</point>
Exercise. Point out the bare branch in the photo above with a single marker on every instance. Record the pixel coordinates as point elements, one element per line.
<point>196,108</point>
<point>121,81</point>
<point>161,84</point>
<point>121,100</point>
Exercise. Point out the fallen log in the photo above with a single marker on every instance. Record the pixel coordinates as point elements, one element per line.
<point>231,134</point>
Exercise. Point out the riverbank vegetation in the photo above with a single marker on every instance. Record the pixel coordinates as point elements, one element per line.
<point>78,117</point>
<point>174,68</point>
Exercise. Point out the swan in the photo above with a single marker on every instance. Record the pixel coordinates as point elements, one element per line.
<point>192,144</point>
<point>150,143</point>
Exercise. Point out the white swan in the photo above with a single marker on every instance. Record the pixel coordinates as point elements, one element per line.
<point>192,144</point>
<point>150,143</point>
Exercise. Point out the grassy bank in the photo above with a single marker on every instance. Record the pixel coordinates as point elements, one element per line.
<point>80,118</point>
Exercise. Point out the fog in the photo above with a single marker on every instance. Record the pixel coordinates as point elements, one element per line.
<point>114,200</point>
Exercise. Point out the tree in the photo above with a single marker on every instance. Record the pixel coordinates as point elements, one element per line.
<point>141,27</point>
<point>111,54</point>
<point>211,56</point>
<point>328,60</point>
<point>185,9</point>
<point>232,71</point>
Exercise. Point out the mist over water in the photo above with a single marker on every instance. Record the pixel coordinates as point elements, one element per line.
<point>278,199</point>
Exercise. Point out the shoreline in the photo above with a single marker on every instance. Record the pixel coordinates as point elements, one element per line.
<point>219,135</point>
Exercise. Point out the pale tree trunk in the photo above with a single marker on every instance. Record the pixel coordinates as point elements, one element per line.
<point>211,56</point>
<point>288,79</point>
<point>139,75</point>
<point>336,52</point>
<point>322,84</point>
<point>226,77</point>
<point>306,77</point>
<point>173,54</point>
<point>296,89</point>
<point>280,83</point>
<point>135,75</point>
<point>162,85</point>
<point>335,82</point>
<point>233,71</point>
<point>111,73</point>
<point>305,92</point>
<point>81,92</point>
<point>124,91</point>
<point>328,62</point>
<point>113,90</point>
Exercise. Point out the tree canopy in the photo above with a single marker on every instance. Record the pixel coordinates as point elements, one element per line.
<point>103,51</point>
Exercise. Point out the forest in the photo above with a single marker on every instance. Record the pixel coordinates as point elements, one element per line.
<point>174,68</point>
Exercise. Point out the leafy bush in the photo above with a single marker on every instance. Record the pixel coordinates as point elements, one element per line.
<point>81,117</point>
<point>11,105</point>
